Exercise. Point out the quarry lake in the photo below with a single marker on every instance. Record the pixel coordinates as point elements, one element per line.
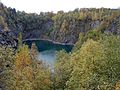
<point>47,49</point>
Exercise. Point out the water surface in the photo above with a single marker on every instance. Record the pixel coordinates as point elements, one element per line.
<point>47,50</point>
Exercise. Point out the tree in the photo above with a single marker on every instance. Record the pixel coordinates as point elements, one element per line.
<point>89,67</point>
<point>79,43</point>
<point>96,65</point>
<point>112,52</point>
<point>41,73</point>
<point>41,76</point>
<point>64,26</point>
<point>93,34</point>
<point>6,68</point>
<point>62,71</point>
<point>23,70</point>
<point>19,40</point>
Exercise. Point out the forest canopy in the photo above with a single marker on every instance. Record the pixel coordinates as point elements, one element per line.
<point>93,63</point>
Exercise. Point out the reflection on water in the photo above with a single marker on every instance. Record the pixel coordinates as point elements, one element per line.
<point>47,56</point>
<point>47,50</point>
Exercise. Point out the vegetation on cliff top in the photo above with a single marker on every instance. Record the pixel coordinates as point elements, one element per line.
<point>93,64</point>
<point>61,26</point>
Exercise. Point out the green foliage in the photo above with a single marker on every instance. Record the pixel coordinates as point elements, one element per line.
<point>79,43</point>
<point>42,76</point>
<point>88,67</point>
<point>62,70</point>
<point>23,70</point>
<point>41,73</point>
<point>62,26</point>
<point>22,57</point>
<point>19,40</point>
<point>93,64</point>
<point>93,34</point>
<point>112,53</point>
<point>6,54</point>
<point>96,65</point>
<point>6,67</point>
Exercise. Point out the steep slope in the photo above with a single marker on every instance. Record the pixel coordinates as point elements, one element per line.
<point>61,27</point>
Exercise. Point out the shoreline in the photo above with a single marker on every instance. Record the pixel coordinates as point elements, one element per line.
<point>54,42</point>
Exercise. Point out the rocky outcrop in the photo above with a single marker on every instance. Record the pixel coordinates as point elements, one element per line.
<point>61,27</point>
<point>114,26</point>
<point>7,40</point>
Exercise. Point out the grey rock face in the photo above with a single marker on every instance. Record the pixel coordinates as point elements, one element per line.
<point>114,26</point>
<point>7,40</point>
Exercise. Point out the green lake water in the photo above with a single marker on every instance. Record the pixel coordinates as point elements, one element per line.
<point>47,50</point>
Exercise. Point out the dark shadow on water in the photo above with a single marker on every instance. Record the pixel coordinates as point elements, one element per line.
<point>43,45</point>
<point>47,50</point>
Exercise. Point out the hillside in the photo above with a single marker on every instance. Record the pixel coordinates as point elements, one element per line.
<point>63,27</point>
<point>92,64</point>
